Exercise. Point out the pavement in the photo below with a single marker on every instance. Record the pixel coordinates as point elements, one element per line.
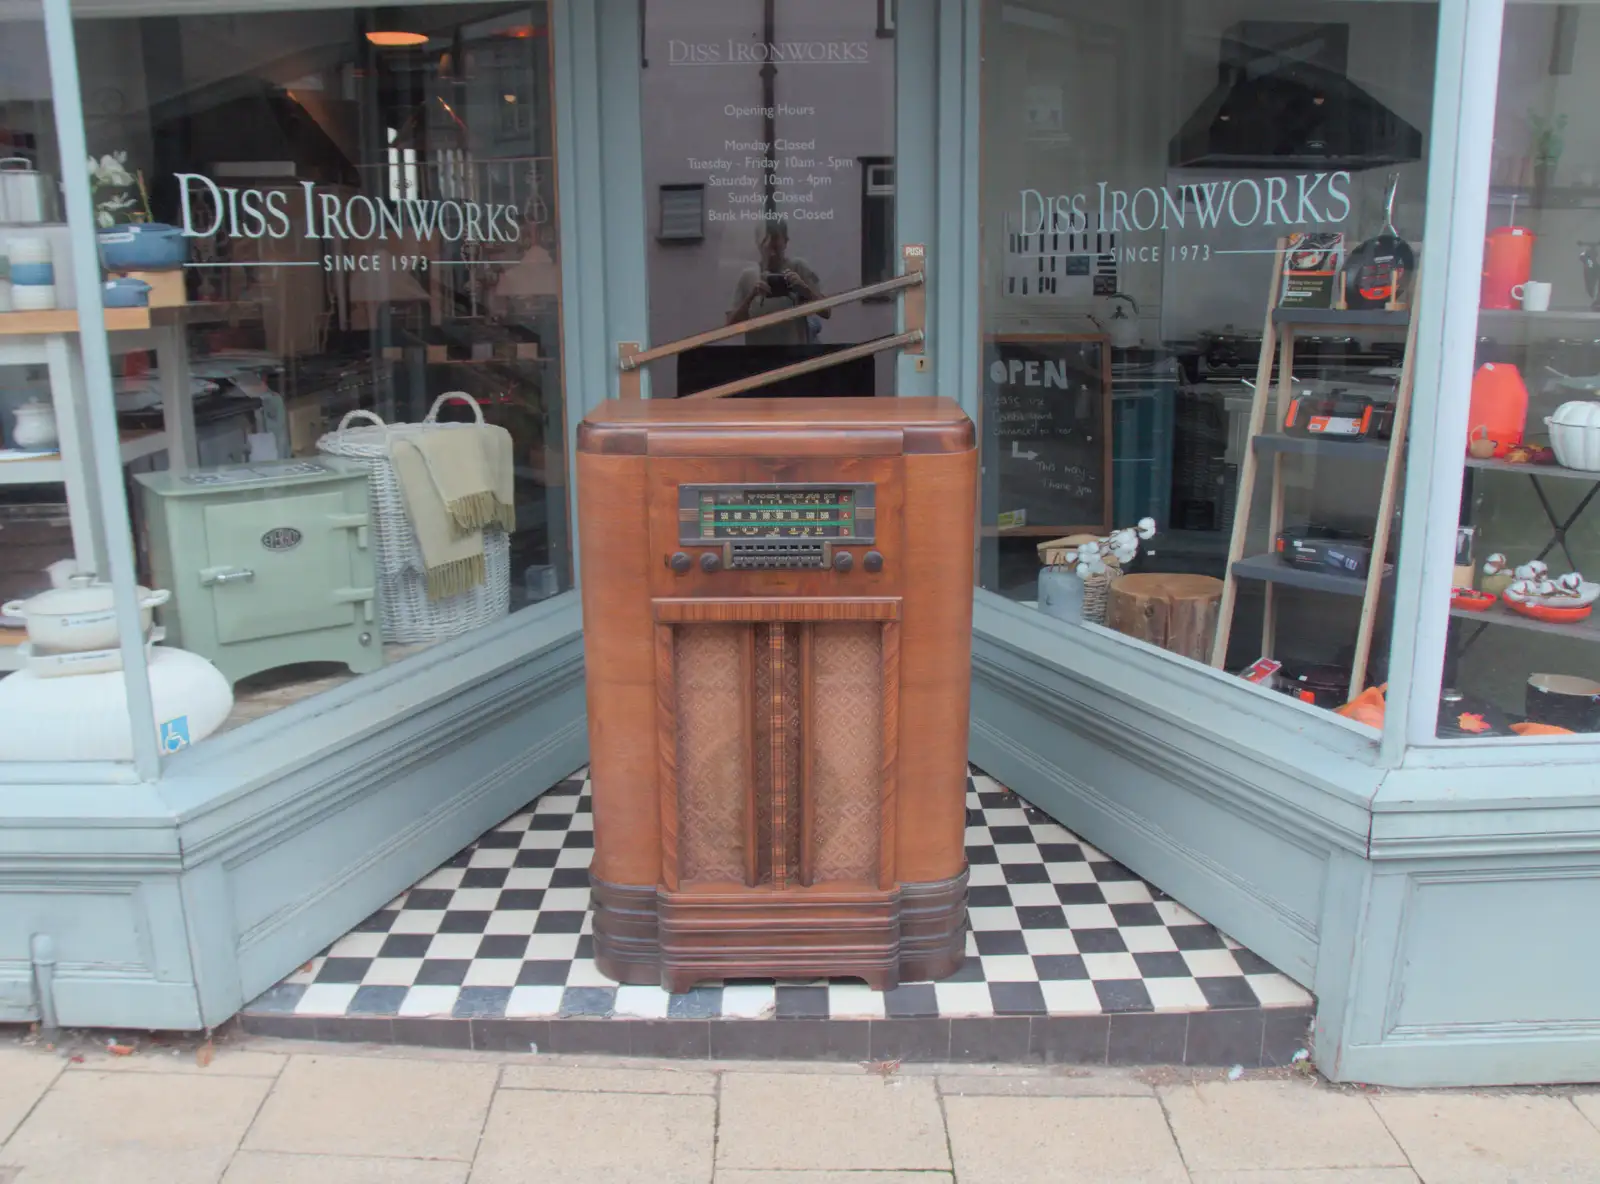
<point>259,1111</point>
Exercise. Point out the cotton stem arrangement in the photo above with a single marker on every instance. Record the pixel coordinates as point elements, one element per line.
<point>1116,549</point>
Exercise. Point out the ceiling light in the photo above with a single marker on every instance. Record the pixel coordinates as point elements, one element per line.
<point>395,39</point>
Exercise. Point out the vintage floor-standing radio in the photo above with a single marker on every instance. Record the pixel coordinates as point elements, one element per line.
<point>777,600</point>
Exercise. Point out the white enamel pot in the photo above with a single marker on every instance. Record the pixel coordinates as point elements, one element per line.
<point>78,617</point>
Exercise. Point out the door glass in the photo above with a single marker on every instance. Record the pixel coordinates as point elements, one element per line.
<point>769,180</point>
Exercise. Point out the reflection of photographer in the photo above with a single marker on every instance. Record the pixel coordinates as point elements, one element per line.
<point>777,283</point>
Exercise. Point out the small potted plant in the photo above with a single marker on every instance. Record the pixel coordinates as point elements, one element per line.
<point>1548,142</point>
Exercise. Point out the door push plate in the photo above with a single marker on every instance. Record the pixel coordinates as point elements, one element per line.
<point>915,258</point>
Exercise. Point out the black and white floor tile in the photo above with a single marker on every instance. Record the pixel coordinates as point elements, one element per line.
<point>503,931</point>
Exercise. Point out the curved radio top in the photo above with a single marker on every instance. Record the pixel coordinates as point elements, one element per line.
<point>878,427</point>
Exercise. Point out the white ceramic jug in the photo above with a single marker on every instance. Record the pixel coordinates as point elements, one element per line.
<point>35,427</point>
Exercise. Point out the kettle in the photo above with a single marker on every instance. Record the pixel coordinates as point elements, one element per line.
<point>1507,263</point>
<point>1121,328</point>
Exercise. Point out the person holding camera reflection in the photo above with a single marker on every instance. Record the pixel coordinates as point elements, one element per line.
<point>777,282</point>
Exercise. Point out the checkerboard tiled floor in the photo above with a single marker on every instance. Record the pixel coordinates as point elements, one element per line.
<point>503,931</point>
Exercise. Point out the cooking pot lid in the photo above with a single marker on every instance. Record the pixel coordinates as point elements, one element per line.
<point>81,597</point>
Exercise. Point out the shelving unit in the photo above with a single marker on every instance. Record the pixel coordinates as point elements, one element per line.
<point>49,470</point>
<point>1271,444</point>
<point>1500,615</point>
<point>1270,569</point>
<point>1369,450</point>
<point>46,338</point>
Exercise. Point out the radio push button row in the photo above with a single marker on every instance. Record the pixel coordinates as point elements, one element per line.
<point>843,561</point>
<point>710,562</point>
<point>680,562</point>
<point>872,561</point>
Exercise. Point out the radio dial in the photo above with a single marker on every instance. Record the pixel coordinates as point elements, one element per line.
<point>872,561</point>
<point>680,562</point>
<point>843,561</point>
<point>710,561</point>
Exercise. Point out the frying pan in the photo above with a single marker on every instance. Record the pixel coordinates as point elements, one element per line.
<point>1376,268</point>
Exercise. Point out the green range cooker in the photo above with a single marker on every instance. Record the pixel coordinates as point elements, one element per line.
<point>269,564</point>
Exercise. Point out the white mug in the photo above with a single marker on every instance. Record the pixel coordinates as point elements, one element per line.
<point>1533,295</point>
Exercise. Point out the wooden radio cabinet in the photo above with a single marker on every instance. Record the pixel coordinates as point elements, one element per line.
<point>777,600</point>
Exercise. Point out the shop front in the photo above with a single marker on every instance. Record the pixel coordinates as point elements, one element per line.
<point>1273,321</point>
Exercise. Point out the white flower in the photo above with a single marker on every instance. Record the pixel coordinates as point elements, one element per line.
<point>1146,527</point>
<point>104,219</point>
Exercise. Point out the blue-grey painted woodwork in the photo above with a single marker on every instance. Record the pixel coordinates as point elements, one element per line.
<point>1435,910</point>
<point>172,904</point>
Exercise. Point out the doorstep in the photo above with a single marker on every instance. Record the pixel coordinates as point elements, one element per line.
<point>1071,958</point>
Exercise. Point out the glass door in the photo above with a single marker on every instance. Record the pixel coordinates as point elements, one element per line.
<point>768,132</point>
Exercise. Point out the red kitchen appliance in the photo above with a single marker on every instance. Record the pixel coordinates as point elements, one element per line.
<point>1507,263</point>
<point>1499,407</point>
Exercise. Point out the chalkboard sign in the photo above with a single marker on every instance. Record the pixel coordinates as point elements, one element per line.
<point>1048,399</point>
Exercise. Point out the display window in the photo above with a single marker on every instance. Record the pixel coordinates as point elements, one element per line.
<point>1201,228</point>
<point>1522,654</point>
<point>329,250</point>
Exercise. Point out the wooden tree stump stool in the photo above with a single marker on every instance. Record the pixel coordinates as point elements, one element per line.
<point>1174,611</point>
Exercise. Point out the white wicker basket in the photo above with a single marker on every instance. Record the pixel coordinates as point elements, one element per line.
<point>406,613</point>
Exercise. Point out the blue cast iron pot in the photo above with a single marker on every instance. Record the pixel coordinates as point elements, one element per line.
<point>125,292</point>
<point>143,246</point>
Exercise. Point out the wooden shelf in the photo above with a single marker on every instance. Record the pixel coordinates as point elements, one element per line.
<point>1367,450</point>
<point>118,320</point>
<point>1332,317</point>
<point>48,469</point>
<point>1271,569</point>
<point>1498,614</point>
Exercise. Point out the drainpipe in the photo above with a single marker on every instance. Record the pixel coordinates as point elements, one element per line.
<point>42,952</point>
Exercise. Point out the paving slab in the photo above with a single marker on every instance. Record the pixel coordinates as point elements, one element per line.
<point>1310,1176</point>
<point>223,1062</point>
<point>1256,1125</point>
<point>115,1128</point>
<point>1468,1138</point>
<point>838,1123</point>
<point>1016,1140</point>
<point>617,1081</point>
<point>537,1135</point>
<point>1105,1084</point>
<point>370,1106</point>
<point>741,1177</point>
<point>273,1167</point>
<point>24,1076</point>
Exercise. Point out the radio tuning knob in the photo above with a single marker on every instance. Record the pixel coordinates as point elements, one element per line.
<point>872,561</point>
<point>679,562</point>
<point>710,561</point>
<point>843,561</point>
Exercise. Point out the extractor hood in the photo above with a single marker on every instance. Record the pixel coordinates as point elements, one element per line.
<point>1283,100</point>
